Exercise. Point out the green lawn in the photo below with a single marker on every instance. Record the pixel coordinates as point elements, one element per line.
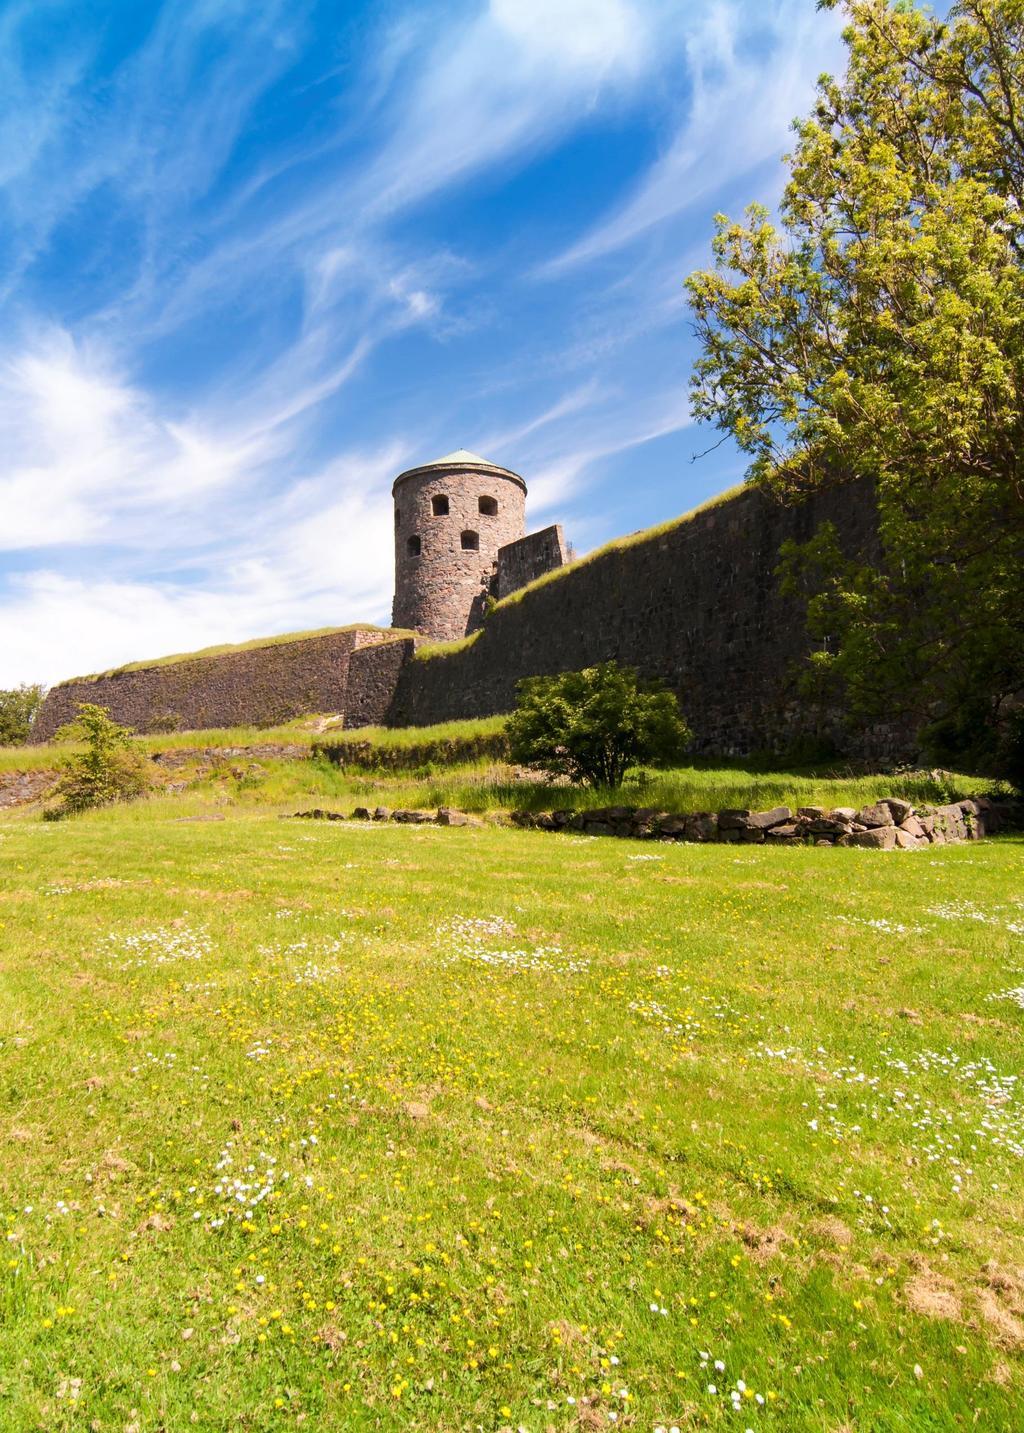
<point>366,1127</point>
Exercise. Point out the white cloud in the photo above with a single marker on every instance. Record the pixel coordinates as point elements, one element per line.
<point>590,36</point>
<point>83,450</point>
<point>744,99</point>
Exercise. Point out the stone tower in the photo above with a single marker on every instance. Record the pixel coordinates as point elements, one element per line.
<point>451,517</point>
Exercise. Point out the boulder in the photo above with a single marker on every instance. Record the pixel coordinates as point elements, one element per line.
<point>844,815</point>
<point>447,816</point>
<point>880,838</point>
<point>765,820</point>
<point>673,825</point>
<point>904,839</point>
<point>381,813</point>
<point>911,826</point>
<point>877,814</point>
<point>733,820</point>
<point>810,813</point>
<point>900,810</point>
<point>702,826</point>
<point>412,818</point>
<point>789,832</point>
<point>360,814</point>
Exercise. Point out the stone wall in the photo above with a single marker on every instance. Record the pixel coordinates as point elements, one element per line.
<point>257,686</point>
<point>372,678</point>
<point>524,561</point>
<point>696,603</point>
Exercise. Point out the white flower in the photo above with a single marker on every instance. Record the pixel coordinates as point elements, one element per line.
<point>712,1388</point>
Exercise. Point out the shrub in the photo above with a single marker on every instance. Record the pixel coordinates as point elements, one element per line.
<point>18,708</point>
<point>108,770</point>
<point>593,725</point>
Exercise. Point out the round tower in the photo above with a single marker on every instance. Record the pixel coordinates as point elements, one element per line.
<point>451,516</point>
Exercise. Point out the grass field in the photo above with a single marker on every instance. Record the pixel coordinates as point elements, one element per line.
<point>364,1127</point>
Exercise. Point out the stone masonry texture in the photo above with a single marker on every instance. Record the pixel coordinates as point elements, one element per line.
<point>522,562</point>
<point>697,605</point>
<point>258,687</point>
<point>441,586</point>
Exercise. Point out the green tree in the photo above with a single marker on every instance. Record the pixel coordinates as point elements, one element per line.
<point>878,333</point>
<point>109,769</point>
<point>593,725</point>
<point>18,707</point>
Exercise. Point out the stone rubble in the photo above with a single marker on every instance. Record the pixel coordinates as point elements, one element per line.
<point>885,825</point>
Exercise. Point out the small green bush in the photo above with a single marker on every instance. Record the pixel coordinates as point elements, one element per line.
<point>593,725</point>
<point>109,769</point>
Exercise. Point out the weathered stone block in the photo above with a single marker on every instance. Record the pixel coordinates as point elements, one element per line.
<point>447,816</point>
<point>878,814</point>
<point>882,838</point>
<point>734,819</point>
<point>899,809</point>
<point>701,826</point>
<point>765,820</point>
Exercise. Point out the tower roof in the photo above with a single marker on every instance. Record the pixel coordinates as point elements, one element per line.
<point>462,460</point>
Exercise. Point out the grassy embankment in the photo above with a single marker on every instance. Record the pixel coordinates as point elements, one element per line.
<point>490,785</point>
<point>371,1127</point>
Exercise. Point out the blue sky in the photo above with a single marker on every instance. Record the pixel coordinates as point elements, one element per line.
<point>256,259</point>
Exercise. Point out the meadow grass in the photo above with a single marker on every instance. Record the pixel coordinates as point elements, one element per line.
<point>369,1127</point>
<point>488,786</point>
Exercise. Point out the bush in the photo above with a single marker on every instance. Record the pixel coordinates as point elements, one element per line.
<point>108,770</point>
<point>18,708</point>
<point>593,725</point>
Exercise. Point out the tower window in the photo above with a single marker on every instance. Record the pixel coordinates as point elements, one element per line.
<point>489,507</point>
<point>413,546</point>
<point>439,505</point>
<point>471,542</point>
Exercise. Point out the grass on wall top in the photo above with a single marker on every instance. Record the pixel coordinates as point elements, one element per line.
<point>430,650</point>
<point>226,648</point>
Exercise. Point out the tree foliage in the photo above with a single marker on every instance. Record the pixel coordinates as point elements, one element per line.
<point>877,332</point>
<point>18,707</point>
<point>593,725</point>
<point>109,768</point>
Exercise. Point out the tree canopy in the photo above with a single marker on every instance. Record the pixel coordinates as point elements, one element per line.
<point>18,708</point>
<point>876,331</point>
<point>593,725</point>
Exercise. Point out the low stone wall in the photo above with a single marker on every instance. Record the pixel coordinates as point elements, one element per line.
<point>257,686</point>
<point>885,825</point>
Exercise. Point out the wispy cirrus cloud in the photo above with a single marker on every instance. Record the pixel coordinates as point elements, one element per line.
<point>750,76</point>
<point>253,261</point>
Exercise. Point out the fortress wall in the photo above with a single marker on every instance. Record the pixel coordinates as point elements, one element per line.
<point>529,558</point>
<point>696,604</point>
<point>372,679</point>
<point>258,686</point>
